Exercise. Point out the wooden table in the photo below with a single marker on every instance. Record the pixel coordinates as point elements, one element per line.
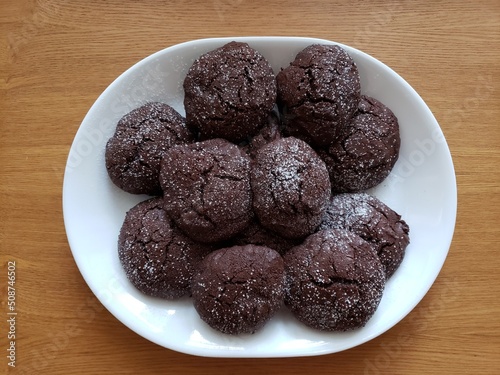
<point>57,56</point>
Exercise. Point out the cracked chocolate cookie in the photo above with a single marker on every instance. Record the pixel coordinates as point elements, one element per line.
<point>318,93</point>
<point>141,138</point>
<point>334,281</point>
<point>158,259</point>
<point>206,189</point>
<point>229,92</point>
<point>372,220</point>
<point>290,187</point>
<point>256,234</point>
<point>367,149</point>
<point>238,289</point>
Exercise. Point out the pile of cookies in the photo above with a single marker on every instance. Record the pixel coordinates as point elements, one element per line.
<point>258,193</point>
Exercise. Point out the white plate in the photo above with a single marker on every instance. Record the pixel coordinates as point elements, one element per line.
<point>421,188</point>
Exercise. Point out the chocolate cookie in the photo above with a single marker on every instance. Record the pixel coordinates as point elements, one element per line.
<point>334,281</point>
<point>290,187</point>
<point>229,92</point>
<point>142,136</point>
<point>256,234</point>
<point>157,258</point>
<point>367,150</point>
<point>206,188</point>
<point>319,93</point>
<point>238,289</point>
<point>372,220</point>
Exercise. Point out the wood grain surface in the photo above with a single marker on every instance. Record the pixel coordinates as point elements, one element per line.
<point>57,56</point>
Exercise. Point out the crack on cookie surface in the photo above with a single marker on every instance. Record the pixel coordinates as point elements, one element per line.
<point>207,189</point>
<point>229,92</point>
<point>157,258</point>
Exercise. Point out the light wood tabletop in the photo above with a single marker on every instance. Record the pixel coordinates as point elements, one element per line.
<point>57,57</point>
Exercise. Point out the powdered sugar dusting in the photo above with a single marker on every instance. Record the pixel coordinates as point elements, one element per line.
<point>206,188</point>
<point>142,137</point>
<point>229,92</point>
<point>290,187</point>
<point>337,252</point>
<point>335,281</point>
<point>238,289</point>
<point>373,221</point>
<point>367,148</point>
<point>320,92</point>
<point>158,259</point>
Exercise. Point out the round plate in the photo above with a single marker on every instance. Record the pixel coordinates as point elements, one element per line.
<point>421,188</point>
